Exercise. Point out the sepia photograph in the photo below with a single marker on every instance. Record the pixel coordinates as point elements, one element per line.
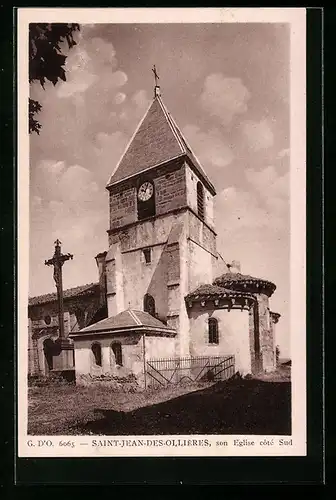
<point>162,220</point>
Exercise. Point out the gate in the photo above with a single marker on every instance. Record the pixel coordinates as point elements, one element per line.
<point>162,372</point>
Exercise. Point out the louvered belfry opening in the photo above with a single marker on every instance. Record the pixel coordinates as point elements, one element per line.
<point>200,200</point>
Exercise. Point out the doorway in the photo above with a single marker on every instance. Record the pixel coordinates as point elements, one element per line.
<point>48,350</point>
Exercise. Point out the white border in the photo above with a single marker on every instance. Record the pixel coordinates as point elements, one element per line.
<point>296,17</point>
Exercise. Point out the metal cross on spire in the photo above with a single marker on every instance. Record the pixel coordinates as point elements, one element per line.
<point>57,262</point>
<point>156,77</point>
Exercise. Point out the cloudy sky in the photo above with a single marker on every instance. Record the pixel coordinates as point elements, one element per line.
<point>226,85</point>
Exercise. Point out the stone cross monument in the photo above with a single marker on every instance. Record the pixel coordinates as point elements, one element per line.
<point>63,358</point>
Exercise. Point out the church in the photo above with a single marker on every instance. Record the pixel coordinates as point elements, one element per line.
<point>164,291</point>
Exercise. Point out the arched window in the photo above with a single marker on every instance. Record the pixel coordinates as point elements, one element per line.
<point>149,304</point>
<point>97,354</point>
<point>200,200</point>
<point>213,331</point>
<point>117,351</point>
<point>80,317</point>
<point>47,319</point>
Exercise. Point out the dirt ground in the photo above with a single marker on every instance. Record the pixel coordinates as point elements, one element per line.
<point>240,406</point>
<point>56,409</point>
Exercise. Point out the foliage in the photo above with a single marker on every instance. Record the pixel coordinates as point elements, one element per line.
<point>52,380</point>
<point>34,108</point>
<point>46,60</point>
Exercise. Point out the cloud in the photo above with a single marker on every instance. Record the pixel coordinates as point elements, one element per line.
<point>75,112</point>
<point>134,110</point>
<point>240,210</point>
<point>259,135</point>
<point>262,205</point>
<point>72,184</point>
<point>84,66</point>
<point>141,99</point>
<point>107,151</point>
<point>273,188</point>
<point>68,204</point>
<point>81,141</point>
<point>224,97</point>
<point>254,229</point>
<point>119,98</point>
<point>210,147</point>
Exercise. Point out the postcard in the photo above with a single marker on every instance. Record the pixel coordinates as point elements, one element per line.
<point>161,232</point>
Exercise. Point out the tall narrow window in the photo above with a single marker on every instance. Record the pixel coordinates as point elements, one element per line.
<point>149,304</point>
<point>97,354</point>
<point>213,331</point>
<point>147,255</point>
<point>117,351</point>
<point>200,200</point>
<point>80,318</point>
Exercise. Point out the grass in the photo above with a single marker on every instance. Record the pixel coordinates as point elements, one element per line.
<point>60,409</point>
<point>240,406</point>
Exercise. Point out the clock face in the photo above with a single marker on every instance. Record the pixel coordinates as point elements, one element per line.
<point>145,191</point>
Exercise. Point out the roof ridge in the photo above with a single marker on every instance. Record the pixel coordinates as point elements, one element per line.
<point>186,143</point>
<point>133,316</point>
<point>247,276</point>
<point>64,291</point>
<point>171,124</point>
<point>156,141</point>
<point>130,141</point>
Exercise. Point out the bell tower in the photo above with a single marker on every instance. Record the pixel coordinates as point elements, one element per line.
<point>162,241</point>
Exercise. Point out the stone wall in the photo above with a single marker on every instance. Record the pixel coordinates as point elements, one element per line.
<point>130,277</point>
<point>146,233</point>
<point>200,264</point>
<point>134,352</point>
<point>159,347</point>
<point>256,364</point>
<point>123,208</point>
<point>201,234</point>
<point>77,312</point>
<point>131,354</point>
<point>233,326</point>
<point>140,278</point>
<point>267,341</point>
<point>32,368</point>
<point>169,191</point>
<point>191,181</point>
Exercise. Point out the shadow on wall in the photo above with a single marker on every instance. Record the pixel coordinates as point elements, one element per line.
<point>155,288</point>
<point>235,407</point>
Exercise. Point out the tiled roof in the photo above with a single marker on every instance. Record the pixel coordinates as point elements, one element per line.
<point>156,141</point>
<point>207,291</point>
<point>129,319</point>
<point>237,280</point>
<point>83,290</point>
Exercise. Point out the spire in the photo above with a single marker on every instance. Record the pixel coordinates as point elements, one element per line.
<point>157,140</point>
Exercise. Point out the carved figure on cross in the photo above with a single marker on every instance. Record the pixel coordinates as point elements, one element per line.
<point>57,262</point>
<point>156,76</point>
